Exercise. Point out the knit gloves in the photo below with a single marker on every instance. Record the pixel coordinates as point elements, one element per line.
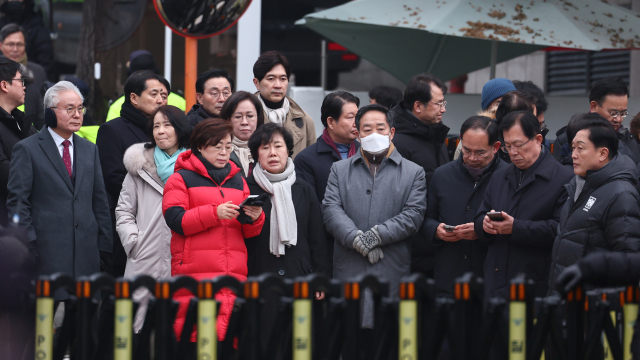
<point>367,244</point>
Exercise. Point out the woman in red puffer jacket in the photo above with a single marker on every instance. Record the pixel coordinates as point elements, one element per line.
<point>200,206</point>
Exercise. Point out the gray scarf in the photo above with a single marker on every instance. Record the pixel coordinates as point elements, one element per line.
<point>284,226</point>
<point>277,116</point>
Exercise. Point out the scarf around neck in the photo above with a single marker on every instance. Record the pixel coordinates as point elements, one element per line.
<point>284,226</point>
<point>244,154</point>
<point>327,138</point>
<point>165,164</point>
<point>129,112</point>
<point>277,116</point>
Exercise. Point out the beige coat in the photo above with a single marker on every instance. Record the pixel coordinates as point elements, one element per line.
<point>300,125</point>
<point>143,231</point>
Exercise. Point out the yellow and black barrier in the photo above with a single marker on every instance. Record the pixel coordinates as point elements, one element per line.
<point>274,318</point>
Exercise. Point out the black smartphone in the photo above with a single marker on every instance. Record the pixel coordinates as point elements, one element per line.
<point>495,215</point>
<point>449,228</point>
<point>248,200</point>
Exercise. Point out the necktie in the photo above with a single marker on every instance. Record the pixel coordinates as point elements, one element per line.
<point>66,158</point>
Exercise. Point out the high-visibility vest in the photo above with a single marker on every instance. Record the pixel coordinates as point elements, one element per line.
<point>173,99</point>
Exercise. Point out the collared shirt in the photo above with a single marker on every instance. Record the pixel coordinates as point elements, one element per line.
<point>58,140</point>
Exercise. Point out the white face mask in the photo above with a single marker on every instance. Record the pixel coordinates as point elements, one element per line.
<point>375,143</point>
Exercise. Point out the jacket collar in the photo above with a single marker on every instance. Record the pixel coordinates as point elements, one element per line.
<point>406,123</point>
<point>323,147</point>
<point>543,170</point>
<point>393,156</point>
<point>79,157</point>
<point>140,162</point>
<point>189,161</point>
<point>493,166</point>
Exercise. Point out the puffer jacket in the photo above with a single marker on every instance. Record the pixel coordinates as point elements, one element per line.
<point>203,246</point>
<point>605,217</point>
<point>142,230</point>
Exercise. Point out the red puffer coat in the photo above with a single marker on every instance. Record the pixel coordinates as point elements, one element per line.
<point>203,246</point>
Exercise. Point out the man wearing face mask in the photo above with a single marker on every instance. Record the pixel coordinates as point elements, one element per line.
<point>374,202</point>
<point>143,97</point>
<point>38,42</point>
<point>455,193</point>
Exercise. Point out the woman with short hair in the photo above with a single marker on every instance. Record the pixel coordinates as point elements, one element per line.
<point>141,227</point>
<point>200,207</point>
<point>245,113</point>
<point>292,243</point>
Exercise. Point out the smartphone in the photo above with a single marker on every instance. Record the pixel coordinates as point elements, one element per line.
<point>449,228</point>
<point>495,215</point>
<point>248,200</point>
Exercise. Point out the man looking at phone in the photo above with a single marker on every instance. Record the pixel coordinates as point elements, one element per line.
<point>529,194</point>
<point>455,193</point>
<point>372,221</point>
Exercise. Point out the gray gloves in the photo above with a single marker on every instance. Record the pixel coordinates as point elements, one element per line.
<point>365,243</point>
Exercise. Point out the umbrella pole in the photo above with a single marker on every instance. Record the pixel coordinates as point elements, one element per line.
<point>494,59</point>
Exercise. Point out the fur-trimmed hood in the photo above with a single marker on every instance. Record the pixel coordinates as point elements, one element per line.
<point>488,113</point>
<point>137,158</point>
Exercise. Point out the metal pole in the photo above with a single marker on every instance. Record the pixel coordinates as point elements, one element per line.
<point>168,49</point>
<point>323,64</point>
<point>494,59</point>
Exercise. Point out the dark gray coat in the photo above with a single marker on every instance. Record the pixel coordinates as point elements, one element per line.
<point>535,207</point>
<point>606,216</point>
<point>395,201</point>
<point>69,223</point>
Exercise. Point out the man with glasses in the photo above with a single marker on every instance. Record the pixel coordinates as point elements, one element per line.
<point>213,88</point>
<point>609,97</point>
<point>528,195</point>
<point>455,193</point>
<point>143,97</point>
<point>420,137</point>
<point>14,125</point>
<point>57,194</point>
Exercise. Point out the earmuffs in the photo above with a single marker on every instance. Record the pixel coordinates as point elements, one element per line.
<point>50,118</point>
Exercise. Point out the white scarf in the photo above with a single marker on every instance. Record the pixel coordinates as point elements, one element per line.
<point>277,116</point>
<point>284,226</point>
<point>244,154</point>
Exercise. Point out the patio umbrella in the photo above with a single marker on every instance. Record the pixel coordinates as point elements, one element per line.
<point>450,38</point>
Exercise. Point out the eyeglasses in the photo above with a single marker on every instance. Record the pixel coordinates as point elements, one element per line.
<point>476,154</point>
<point>239,117</point>
<point>72,111</point>
<point>507,148</point>
<point>20,79</point>
<point>14,45</point>
<point>615,113</point>
<point>442,104</point>
<point>216,94</point>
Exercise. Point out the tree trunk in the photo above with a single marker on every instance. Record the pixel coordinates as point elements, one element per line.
<point>94,13</point>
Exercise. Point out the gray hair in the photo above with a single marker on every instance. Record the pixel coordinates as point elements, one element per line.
<point>51,96</point>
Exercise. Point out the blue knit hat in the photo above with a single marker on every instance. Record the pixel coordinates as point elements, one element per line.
<point>494,89</point>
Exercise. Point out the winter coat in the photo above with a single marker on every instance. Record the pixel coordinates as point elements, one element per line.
<point>424,145</point>
<point>37,38</point>
<point>309,255</point>
<point>606,216</point>
<point>299,124</point>
<point>34,93</point>
<point>313,165</point>
<point>203,246</point>
<point>535,207</point>
<point>10,135</point>
<point>395,202</point>
<point>67,218</point>
<point>114,138</point>
<point>454,198</point>
<point>142,230</point>
<point>197,114</point>
<point>626,146</point>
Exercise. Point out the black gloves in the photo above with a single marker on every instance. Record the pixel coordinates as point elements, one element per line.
<point>569,278</point>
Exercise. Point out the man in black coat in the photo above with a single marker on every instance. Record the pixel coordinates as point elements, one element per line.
<point>14,126</point>
<point>455,193</point>
<point>337,142</point>
<point>142,100</point>
<point>529,194</point>
<point>602,212</point>
<point>420,137</point>
<point>38,41</point>
<point>213,88</point>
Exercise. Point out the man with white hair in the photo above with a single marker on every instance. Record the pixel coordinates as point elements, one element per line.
<point>56,191</point>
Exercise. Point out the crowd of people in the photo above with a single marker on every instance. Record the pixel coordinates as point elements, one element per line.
<point>239,185</point>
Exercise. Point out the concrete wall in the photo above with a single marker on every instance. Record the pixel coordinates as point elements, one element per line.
<point>461,106</point>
